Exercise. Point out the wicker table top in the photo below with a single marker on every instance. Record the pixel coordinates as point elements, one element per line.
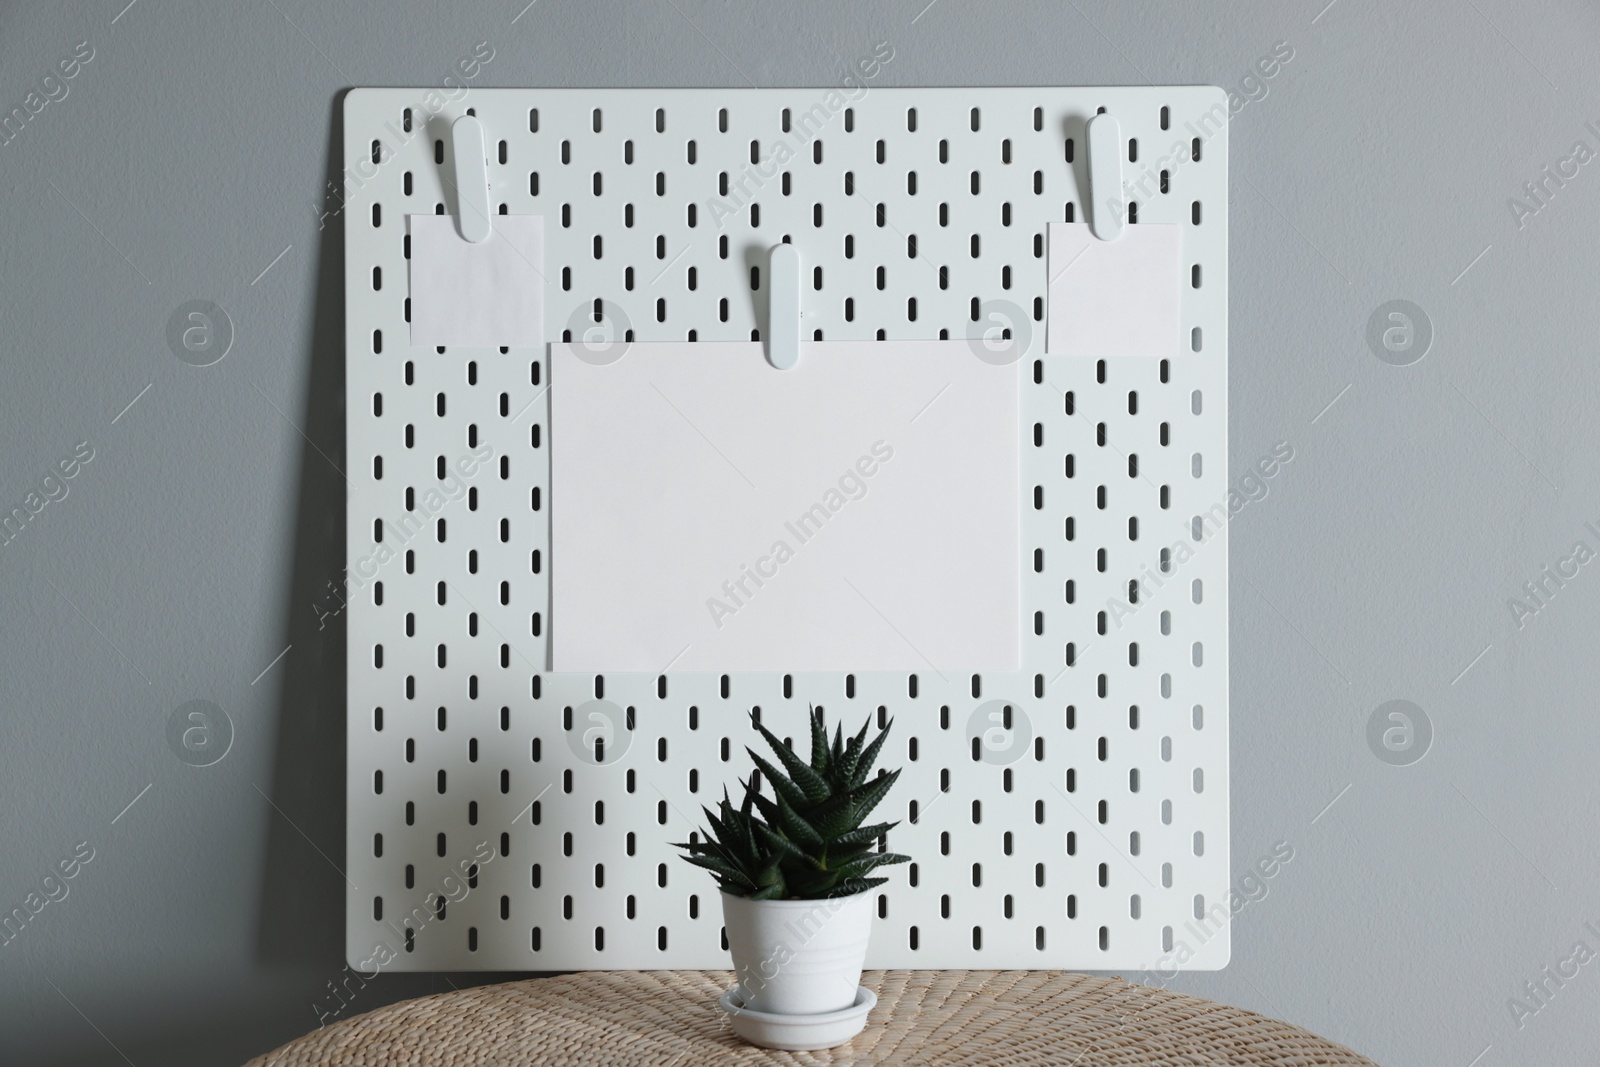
<point>987,1018</point>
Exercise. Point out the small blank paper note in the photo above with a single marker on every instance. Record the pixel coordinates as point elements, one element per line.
<point>489,295</point>
<point>711,513</point>
<point>1115,298</point>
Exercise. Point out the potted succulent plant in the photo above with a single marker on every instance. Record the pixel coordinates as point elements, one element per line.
<point>796,873</point>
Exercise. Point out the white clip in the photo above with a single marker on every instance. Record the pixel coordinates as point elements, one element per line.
<point>1107,208</point>
<point>783,306</point>
<point>472,179</point>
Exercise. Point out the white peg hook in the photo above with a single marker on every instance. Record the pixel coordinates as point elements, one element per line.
<point>1107,209</point>
<point>783,306</point>
<point>472,179</point>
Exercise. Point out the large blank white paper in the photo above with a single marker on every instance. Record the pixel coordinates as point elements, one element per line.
<point>489,295</point>
<point>1115,298</point>
<point>857,512</point>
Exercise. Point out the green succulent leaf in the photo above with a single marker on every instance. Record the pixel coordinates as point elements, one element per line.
<point>734,827</point>
<point>722,868</point>
<point>796,828</point>
<point>719,829</point>
<point>834,818</point>
<point>772,874</point>
<point>852,753</point>
<point>807,839</point>
<point>847,762</point>
<point>814,786</point>
<point>819,743</point>
<point>866,797</point>
<point>869,756</point>
<point>780,782</point>
<point>859,866</point>
<point>766,810</point>
<point>864,835</point>
<point>777,842</point>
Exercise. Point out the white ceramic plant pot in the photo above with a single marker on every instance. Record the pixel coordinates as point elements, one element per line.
<point>798,957</point>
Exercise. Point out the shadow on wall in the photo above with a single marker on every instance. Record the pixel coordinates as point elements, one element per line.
<point>300,934</point>
<point>302,896</point>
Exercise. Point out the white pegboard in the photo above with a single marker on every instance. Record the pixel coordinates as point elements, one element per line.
<point>1102,845</point>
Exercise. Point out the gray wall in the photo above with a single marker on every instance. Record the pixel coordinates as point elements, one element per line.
<point>194,147</point>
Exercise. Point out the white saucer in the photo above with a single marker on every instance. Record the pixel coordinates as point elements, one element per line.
<point>797,1032</point>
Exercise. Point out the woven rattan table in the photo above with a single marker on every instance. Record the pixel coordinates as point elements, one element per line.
<point>987,1018</point>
